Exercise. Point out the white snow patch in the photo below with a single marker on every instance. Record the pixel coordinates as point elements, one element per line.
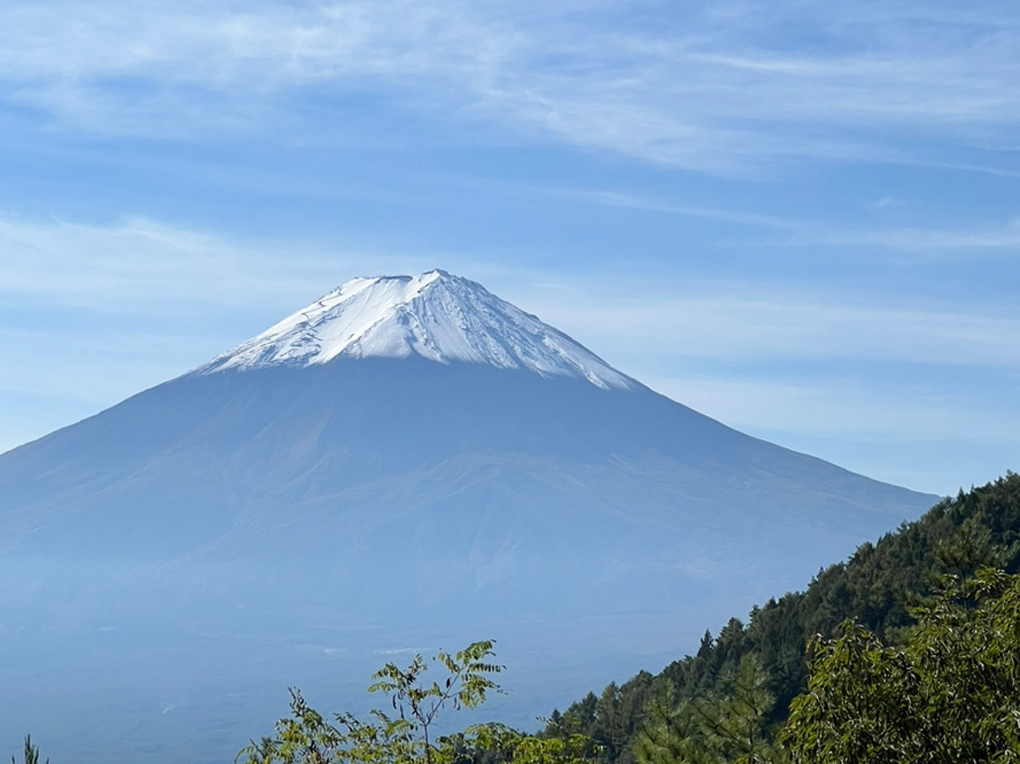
<point>435,315</point>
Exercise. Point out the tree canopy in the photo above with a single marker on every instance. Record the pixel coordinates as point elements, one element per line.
<point>950,694</point>
<point>406,736</point>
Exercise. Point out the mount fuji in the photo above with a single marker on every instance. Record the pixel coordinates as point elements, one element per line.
<point>407,463</point>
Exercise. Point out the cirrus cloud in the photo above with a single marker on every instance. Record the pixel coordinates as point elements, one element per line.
<point>727,89</point>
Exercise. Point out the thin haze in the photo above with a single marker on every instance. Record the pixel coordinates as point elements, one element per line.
<point>800,218</point>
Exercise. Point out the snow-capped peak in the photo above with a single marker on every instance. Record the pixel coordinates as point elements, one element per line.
<point>436,315</point>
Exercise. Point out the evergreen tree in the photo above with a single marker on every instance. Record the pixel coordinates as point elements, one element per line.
<point>730,727</point>
<point>950,694</point>
<point>31,752</point>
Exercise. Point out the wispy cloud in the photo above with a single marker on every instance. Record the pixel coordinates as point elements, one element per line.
<point>141,266</point>
<point>954,438</point>
<point>792,231</point>
<point>629,201</point>
<point>725,88</point>
<point>1005,237</point>
<point>839,407</point>
<point>727,320</point>
<point>144,271</point>
<point>888,202</point>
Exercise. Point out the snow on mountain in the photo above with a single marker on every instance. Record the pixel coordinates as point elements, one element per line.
<point>435,315</point>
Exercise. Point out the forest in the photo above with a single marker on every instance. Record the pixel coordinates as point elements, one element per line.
<point>887,596</point>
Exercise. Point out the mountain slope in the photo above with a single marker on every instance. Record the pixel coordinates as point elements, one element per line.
<point>393,441</point>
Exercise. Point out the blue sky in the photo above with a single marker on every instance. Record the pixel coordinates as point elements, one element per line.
<point>801,218</point>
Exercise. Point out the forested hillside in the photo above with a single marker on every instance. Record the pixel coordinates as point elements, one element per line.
<point>877,586</point>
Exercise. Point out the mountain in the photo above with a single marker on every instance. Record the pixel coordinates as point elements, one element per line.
<point>409,462</point>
